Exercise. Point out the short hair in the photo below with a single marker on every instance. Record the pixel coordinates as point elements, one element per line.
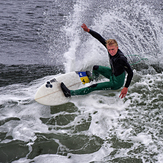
<point>111,42</point>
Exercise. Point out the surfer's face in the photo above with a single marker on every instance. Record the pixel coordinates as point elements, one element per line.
<point>112,50</point>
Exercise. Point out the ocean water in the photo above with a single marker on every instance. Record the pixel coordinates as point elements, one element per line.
<point>44,38</point>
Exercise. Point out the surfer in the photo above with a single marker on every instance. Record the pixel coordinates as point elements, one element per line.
<point>116,73</point>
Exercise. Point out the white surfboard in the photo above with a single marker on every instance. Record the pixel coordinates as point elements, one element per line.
<point>50,92</point>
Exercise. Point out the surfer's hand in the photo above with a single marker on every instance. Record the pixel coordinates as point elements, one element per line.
<point>123,92</point>
<point>85,28</point>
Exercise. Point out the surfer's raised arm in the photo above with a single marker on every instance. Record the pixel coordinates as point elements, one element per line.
<point>94,34</point>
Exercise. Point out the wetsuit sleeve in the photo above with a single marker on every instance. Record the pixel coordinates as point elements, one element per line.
<point>98,37</point>
<point>129,71</point>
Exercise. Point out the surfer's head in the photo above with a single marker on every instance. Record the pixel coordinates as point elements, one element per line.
<point>112,46</point>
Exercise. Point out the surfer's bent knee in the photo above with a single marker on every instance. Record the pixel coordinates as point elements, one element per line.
<point>95,67</point>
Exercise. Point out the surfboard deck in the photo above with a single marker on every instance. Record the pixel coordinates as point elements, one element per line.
<point>50,92</point>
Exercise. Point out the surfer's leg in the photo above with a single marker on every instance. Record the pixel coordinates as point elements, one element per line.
<point>94,87</point>
<point>118,81</point>
<point>115,83</point>
<point>97,70</point>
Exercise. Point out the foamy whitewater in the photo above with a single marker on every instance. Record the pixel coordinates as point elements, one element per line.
<point>43,39</point>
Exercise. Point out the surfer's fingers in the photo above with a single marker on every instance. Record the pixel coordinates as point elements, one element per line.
<point>122,95</point>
